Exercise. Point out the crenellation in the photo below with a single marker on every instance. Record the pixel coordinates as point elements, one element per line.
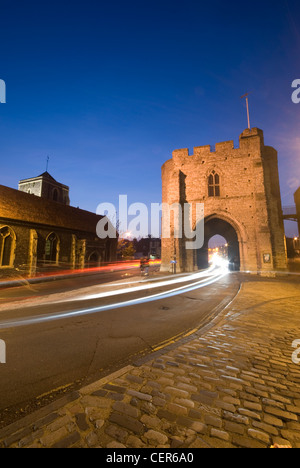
<point>226,146</point>
<point>202,150</point>
<point>181,153</point>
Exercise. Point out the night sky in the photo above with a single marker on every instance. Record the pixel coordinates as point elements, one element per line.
<point>109,89</point>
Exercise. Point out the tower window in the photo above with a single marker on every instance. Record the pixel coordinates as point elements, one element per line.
<point>55,195</point>
<point>214,185</point>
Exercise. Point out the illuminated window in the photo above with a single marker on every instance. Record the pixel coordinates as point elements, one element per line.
<point>6,247</point>
<point>214,185</point>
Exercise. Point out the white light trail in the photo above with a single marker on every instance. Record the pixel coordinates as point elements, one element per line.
<point>93,310</point>
<point>158,284</point>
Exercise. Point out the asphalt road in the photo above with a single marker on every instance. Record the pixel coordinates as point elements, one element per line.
<point>46,360</point>
<point>65,283</point>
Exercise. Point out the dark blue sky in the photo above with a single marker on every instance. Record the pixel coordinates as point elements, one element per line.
<point>109,89</point>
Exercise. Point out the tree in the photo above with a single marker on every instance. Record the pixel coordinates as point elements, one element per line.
<point>125,249</point>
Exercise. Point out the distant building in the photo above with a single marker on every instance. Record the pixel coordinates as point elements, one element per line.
<point>147,247</point>
<point>38,233</point>
<point>45,186</point>
<point>155,248</point>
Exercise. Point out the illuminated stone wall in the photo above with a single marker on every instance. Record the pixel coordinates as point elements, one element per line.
<point>247,202</point>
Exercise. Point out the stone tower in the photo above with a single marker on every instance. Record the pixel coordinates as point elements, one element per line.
<point>46,186</point>
<point>240,190</point>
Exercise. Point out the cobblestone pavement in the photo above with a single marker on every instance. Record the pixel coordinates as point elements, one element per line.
<point>231,385</point>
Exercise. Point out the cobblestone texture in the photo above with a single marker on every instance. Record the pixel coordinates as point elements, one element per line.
<point>233,386</point>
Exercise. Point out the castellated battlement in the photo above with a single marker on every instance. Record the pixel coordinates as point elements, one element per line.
<point>250,139</point>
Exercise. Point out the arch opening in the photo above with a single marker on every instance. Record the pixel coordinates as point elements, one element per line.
<point>219,234</point>
<point>217,249</point>
<point>52,248</point>
<point>7,243</point>
<point>94,260</point>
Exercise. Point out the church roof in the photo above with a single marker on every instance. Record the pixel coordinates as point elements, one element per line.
<point>46,175</point>
<point>21,206</point>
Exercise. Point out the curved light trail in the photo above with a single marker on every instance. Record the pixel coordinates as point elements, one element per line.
<point>212,275</point>
<point>145,285</point>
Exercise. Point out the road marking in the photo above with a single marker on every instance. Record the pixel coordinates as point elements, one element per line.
<point>175,338</point>
<point>58,389</point>
<point>190,332</point>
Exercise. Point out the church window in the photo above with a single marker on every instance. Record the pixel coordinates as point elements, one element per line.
<point>6,247</point>
<point>52,248</point>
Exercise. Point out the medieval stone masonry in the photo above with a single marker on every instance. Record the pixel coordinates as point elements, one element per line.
<point>38,235</point>
<point>241,194</point>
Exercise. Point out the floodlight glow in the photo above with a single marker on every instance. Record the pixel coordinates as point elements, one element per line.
<point>219,262</point>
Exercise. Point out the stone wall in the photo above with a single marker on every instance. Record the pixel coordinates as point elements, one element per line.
<point>33,221</point>
<point>249,200</point>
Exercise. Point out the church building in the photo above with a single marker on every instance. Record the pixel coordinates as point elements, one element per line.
<point>41,232</point>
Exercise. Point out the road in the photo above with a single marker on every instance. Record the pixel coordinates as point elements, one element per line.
<point>60,338</point>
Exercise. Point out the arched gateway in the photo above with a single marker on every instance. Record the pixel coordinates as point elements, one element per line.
<point>240,190</point>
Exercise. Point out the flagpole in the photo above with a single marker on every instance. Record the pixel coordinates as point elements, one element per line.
<point>247,105</point>
<point>248,112</point>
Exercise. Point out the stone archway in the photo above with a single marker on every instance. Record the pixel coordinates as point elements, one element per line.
<point>216,225</point>
<point>94,259</point>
